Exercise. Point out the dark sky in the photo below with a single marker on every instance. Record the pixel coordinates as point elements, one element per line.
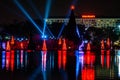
<point>9,12</point>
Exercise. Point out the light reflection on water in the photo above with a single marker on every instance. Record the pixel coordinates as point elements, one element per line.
<point>85,63</point>
<point>52,65</point>
<point>79,62</point>
<point>13,60</point>
<point>117,61</point>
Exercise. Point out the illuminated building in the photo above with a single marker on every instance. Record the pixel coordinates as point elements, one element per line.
<point>88,21</point>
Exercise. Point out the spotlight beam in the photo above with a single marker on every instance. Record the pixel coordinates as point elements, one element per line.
<point>77,31</point>
<point>50,32</point>
<point>46,14</point>
<point>35,9</point>
<point>63,25</point>
<point>38,14</point>
<point>35,73</point>
<point>27,15</point>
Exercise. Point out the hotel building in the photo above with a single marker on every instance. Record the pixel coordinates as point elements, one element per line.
<point>88,21</point>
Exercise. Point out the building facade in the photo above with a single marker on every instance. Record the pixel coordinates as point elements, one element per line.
<point>88,22</point>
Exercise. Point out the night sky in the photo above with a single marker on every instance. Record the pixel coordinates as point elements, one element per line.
<point>9,12</point>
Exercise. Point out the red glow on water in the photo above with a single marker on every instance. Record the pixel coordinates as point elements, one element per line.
<point>72,7</point>
<point>21,57</point>
<point>102,44</point>
<point>59,58</point>
<point>44,48</point>
<point>88,46</point>
<point>7,60</point>
<point>102,51</point>
<point>108,61</point>
<point>89,58</point>
<point>8,46</point>
<point>102,60</point>
<point>44,58</point>
<point>107,58</point>
<point>88,74</point>
<point>64,47</point>
<point>108,52</point>
<point>29,51</point>
<point>64,59</point>
<point>12,60</point>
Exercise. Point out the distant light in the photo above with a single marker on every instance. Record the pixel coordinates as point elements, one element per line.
<point>44,36</point>
<point>3,45</point>
<point>46,20</point>
<point>88,16</point>
<point>118,52</point>
<point>72,7</point>
<point>119,26</point>
<point>85,41</point>
<point>22,39</point>
<point>18,39</point>
<point>7,37</point>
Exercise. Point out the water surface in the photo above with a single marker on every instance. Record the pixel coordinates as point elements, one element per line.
<point>60,65</point>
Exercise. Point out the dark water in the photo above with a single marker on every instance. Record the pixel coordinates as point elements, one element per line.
<point>60,65</point>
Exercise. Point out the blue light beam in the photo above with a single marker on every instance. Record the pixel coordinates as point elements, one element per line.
<point>39,15</point>
<point>27,15</point>
<point>63,25</point>
<point>35,9</point>
<point>79,62</point>
<point>50,32</point>
<point>46,14</point>
<point>77,30</point>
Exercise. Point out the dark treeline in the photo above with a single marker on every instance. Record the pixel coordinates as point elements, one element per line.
<point>20,29</point>
<point>27,28</point>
